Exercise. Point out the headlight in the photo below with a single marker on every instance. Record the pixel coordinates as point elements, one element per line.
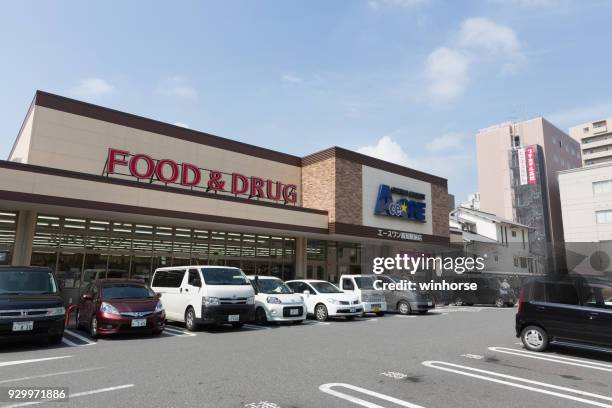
<point>251,300</point>
<point>272,299</point>
<point>333,301</point>
<point>159,307</point>
<point>210,301</point>
<point>301,298</point>
<point>56,311</point>
<point>108,308</point>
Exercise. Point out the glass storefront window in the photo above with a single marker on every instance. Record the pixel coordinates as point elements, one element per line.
<point>217,245</point>
<point>69,267</point>
<point>263,246</point>
<point>233,245</point>
<point>42,258</point>
<point>8,226</point>
<point>276,248</point>
<point>248,246</point>
<point>316,250</point>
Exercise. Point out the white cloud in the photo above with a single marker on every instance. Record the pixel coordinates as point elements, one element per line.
<point>447,141</point>
<point>376,4</point>
<point>93,87</point>
<point>583,114</point>
<point>389,150</point>
<point>291,78</point>
<point>176,86</point>
<point>181,124</point>
<point>447,72</point>
<point>479,42</point>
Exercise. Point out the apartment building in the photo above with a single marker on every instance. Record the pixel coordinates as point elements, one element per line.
<point>595,140</point>
<point>518,164</point>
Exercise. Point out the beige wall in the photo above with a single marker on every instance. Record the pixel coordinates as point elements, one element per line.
<point>58,186</point>
<point>67,141</point>
<point>599,147</point>
<point>21,150</point>
<point>579,204</point>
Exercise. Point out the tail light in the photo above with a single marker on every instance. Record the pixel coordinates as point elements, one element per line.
<point>520,301</point>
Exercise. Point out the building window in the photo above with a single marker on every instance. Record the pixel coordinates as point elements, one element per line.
<point>603,217</point>
<point>513,234</point>
<point>599,124</point>
<point>516,262</point>
<point>585,129</point>
<point>602,187</point>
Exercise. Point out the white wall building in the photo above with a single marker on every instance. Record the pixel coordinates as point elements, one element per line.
<point>504,243</point>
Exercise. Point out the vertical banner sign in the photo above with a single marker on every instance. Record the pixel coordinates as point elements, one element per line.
<point>531,168</point>
<point>522,166</point>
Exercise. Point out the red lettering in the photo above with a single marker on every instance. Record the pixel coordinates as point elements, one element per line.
<point>159,171</point>
<point>245,183</point>
<point>197,175</point>
<point>277,194</point>
<point>256,187</point>
<point>134,166</point>
<point>113,160</point>
<point>290,193</point>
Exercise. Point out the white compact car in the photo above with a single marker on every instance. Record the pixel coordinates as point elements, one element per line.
<point>325,300</point>
<point>276,302</point>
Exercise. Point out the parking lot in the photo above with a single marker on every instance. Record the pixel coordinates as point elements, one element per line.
<point>455,356</point>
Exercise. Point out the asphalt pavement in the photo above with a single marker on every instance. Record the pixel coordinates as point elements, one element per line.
<point>452,357</point>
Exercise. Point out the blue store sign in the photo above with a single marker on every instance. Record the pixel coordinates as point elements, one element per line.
<point>410,206</point>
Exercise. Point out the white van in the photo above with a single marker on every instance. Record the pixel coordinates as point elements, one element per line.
<point>373,301</point>
<point>200,295</point>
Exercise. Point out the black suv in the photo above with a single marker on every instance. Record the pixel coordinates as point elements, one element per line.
<point>570,311</point>
<point>30,304</point>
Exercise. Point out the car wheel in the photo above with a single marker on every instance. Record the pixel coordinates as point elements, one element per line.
<point>534,338</point>
<point>237,325</point>
<point>93,327</point>
<point>458,302</point>
<point>55,339</point>
<point>500,302</point>
<point>321,313</point>
<point>190,320</point>
<point>260,316</point>
<point>403,307</point>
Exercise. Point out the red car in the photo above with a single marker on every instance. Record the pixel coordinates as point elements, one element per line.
<point>111,306</point>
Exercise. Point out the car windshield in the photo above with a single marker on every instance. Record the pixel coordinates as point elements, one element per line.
<point>325,287</point>
<point>224,276</point>
<point>272,286</point>
<point>387,279</point>
<point>26,282</point>
<point>126,291</point>
<point>365,282</point>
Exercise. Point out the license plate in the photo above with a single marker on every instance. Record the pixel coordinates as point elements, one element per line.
<point>429,303</point>
<point>23,326</point>
<point>233,318</point>
<point>352,310</point>
<point>139,322</point>
<point>376,308</point>
<point>294,312</point>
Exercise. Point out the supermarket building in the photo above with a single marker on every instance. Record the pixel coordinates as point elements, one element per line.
<point>90,191</point>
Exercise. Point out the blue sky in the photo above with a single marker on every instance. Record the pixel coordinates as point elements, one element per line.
<point>409,81</point>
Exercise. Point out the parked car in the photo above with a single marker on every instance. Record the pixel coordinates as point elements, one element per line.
<point>571,311</point>
<point>112,306</point>
<point>276,302</point>
<point>199,295</point>
<point>324,300</point>
<point>30,304</point>
<point>491,290</point>
<point>372,300</point>
<point>406,301</point>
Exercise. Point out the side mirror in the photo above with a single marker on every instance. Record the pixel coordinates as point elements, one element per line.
<point>86,296</point>
<point>306,293</point>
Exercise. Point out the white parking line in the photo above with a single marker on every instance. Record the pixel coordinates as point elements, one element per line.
<point>316,323</point>
<point>403,316</point>
<point>35,360</point>
<point>69,343</point>
<point>256,327</point>
<point>465,370</point>
<point>84,339</point>
<point>50,375</point>
<point>554,358</point>
<point>76,395</point>
<point>474,356</point>
<point>172,331</point>
<point>327,388</point>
